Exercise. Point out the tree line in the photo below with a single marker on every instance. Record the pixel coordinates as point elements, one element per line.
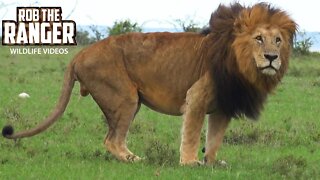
<point>84,37</point>
<point>301,46</point>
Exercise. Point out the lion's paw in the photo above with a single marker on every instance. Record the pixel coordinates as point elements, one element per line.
<point>132,158</point>
<point>191,163</point>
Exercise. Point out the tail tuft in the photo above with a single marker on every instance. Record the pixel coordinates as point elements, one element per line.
<point>7,131</point>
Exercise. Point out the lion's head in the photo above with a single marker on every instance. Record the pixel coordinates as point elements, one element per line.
<point>263,38</point>
<point>250,49</point>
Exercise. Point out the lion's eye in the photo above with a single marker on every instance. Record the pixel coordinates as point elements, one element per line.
<point>259,39</point>
<point>278,40</point>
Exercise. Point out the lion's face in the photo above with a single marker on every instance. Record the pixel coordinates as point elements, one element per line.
<point>262,44</point>
<point>266,45</point>
<point>262,51</point>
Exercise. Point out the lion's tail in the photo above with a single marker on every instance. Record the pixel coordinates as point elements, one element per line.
<point>67,87</point>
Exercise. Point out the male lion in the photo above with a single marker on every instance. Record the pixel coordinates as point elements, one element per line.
<point>227,72</point>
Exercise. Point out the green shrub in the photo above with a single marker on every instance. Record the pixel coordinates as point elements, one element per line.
<point>302,47</point>
<point>122,27</point>
<point>188,25</point>
<point>83,38</point>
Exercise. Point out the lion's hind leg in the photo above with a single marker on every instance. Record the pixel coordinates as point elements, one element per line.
<point>119,122</point>
<point>119,106</point>
<point>101,71</point>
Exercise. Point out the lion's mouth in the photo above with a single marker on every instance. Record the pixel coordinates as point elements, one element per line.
<point>268,67</point>
<point>269,70</point>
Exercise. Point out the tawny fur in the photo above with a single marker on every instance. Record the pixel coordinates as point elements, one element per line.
<point>219,72</point>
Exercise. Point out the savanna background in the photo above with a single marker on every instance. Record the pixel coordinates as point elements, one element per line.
<point>283,144</point>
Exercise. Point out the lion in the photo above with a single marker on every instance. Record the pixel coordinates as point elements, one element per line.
<point>225,72</point>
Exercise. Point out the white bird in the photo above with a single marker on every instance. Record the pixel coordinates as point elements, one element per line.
<point>24,95</point>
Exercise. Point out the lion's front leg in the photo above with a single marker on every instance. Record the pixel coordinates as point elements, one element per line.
<point>197,100</point>
<point>191,130</point>
<point>217,125</point>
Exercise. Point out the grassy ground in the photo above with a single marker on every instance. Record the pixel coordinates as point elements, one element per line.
<point>283,144</point>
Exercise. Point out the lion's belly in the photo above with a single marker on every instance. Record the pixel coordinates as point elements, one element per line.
<point>162,102</point>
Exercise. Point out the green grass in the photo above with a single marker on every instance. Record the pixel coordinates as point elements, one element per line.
<point>283,144</point>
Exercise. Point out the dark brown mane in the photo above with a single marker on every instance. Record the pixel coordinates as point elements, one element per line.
<point>235,95</point>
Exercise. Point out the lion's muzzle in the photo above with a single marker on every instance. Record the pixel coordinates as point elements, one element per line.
<point>271,64</point>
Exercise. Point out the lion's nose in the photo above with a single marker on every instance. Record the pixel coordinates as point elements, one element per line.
<point>270,57</point>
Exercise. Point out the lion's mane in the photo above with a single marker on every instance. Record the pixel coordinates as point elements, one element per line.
<point>240,89</point>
